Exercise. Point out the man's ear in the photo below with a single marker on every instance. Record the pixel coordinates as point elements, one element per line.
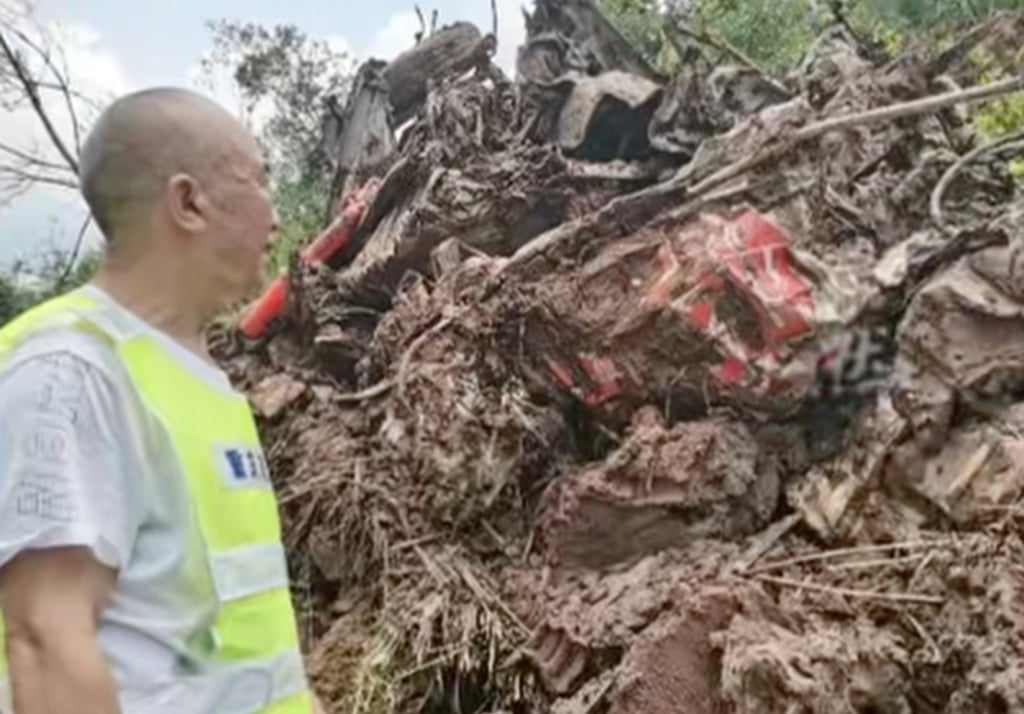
<point>187,203</point>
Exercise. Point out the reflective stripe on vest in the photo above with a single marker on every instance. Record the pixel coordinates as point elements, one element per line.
<point>214,435</point>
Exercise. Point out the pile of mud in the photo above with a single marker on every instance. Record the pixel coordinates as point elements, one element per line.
<point>647,395</point>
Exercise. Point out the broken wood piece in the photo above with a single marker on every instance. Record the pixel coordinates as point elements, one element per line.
<point>877,563</point>
<point>764,542</point>
<point>926,636</point>
<point>1014,141</point>
<point>971,469</point>
<point>614,170</point>
<point>358,140</point>
<point>844,552</point>
<point>377,390</point>
<point>848,592</point>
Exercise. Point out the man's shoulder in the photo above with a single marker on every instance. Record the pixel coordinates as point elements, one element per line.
<point>59,351</point>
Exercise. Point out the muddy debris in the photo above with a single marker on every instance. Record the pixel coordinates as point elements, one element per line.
<point>636,394</point>
<point>661,489</point>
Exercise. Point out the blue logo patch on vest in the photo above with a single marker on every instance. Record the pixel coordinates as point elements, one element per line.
<point>243,466</point>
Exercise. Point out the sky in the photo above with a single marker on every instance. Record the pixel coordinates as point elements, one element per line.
<point>117,46</point>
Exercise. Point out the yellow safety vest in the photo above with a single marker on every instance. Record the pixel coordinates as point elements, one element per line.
<point>214,434</point>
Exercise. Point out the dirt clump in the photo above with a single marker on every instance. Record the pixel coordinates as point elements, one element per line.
<point>661,489</point>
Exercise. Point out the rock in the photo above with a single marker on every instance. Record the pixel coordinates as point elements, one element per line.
<point>274,394</point>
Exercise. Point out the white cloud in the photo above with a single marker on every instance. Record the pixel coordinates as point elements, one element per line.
<point>399,31</point>
<point>397,35</point>
<point>511,33</point>
<point>94,69</point>
<point>340,45</point>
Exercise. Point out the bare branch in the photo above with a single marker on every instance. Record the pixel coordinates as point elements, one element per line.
<point>22,175</point>
<point>32,93</point>
<point>718,43</point>
<point>31,160</point>
<point>65,89</point>
<point>423,25</point>
<point>69,266</point>
<point>60,75</point>
<point>9,193</point>
<point>51,86</point>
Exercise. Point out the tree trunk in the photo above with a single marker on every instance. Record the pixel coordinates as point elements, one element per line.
<point>448,52</point>
<point>359,142</point>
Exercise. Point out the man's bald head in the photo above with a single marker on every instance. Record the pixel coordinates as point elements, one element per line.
<point>144,139</point>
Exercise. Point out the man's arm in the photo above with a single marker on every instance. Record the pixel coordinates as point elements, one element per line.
<point>51,602</point>
<point>68,517</point>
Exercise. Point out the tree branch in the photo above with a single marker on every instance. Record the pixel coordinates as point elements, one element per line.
<point>32,93</point>
<point>65,89</point>
<point>53,87</point>
<point>9,193</point>
<point>31,160</point>
<point>423,25</point>
<point>66,273</point>
<point>1014,142</point>
<point>717,43</point>
<point>22,175</point>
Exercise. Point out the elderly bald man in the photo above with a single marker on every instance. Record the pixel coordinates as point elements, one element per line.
<point>141,566</point>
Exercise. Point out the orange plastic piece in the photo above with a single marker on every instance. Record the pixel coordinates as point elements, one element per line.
<point>262,312</point>
<point>324,247</point>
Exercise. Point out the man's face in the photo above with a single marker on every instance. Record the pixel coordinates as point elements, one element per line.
<point>242,221</point>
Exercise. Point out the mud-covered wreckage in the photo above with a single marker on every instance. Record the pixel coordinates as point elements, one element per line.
<point>644,394</point>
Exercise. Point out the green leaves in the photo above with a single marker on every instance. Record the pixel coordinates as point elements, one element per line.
<point>300,203</point>
<point>284,78</point>
<point>774,33</point>
<point>777,33</point>
<point>639,22</point>
<point>43,281</point>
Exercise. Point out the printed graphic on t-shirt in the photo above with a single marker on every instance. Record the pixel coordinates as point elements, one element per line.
<point>43,496</point>
<point>243,467</point>
<point>53,429</point>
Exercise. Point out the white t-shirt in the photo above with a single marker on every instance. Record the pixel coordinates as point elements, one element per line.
<point>81,463</point>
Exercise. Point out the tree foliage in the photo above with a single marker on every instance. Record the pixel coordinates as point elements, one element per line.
<point>284,78</point>
<point>776,33</point>
<point>46,276</point>
<point>638,21</point>
<point>300,211</point>
<point>910,16</point>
